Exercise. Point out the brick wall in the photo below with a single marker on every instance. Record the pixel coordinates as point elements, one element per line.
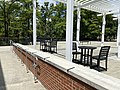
<point>51,77</point>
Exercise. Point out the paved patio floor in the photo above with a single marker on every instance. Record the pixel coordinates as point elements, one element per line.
<point>13,75</point>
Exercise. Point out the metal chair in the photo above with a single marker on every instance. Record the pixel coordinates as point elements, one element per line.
<point>43,44</point>
<point>103,55</point>
<point>75,52</point>
<point>52,46</point>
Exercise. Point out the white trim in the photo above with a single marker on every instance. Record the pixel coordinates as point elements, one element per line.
<point>118,37</point>
<point>103,30</point>
<point>100,6</point>
<point>78,24</point>
<point>89,3</point>
<point>69,29</point>
<point>34,23</point>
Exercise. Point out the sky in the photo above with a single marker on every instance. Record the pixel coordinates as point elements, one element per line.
<point>42,1</point>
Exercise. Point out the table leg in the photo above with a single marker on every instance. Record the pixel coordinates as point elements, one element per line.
<point>81,55</point>
<point>91,58</point>
<point>84,56</point>
<point>88,57</point>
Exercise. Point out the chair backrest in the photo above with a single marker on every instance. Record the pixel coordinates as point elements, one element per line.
<point>104,51</point>
<point>42,40</point>
<point>53,43</point>
<point>74,46</point>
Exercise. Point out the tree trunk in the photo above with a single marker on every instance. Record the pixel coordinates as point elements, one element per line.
<point>4,19</point>
<point>28,21</point>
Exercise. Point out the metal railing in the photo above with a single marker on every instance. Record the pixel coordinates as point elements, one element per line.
<point>5,41</point>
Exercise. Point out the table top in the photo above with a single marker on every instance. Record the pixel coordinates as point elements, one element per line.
<point>87,47</point>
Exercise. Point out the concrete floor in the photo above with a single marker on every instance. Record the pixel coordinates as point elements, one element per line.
<point>13,75</point>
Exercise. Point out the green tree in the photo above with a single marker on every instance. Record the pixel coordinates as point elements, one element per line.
<point>16,21</point>
<point>53,20</point>
<point>6,9</point>
<point>111,28</point>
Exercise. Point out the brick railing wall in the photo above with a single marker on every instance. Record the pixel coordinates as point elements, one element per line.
<point>58,74</point>
<point>51,77</point>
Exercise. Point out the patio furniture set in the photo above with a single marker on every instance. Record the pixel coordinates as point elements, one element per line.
<point>85,53</point>
<point>48,45</point>
<point>86,56</point>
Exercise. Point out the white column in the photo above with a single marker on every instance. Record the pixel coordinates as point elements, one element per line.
<point>34,23</point>
<point>78,24</point>
<point>69,29</point>
<point>118,31</point>
<point>103,30</point>
<point>118,37</point>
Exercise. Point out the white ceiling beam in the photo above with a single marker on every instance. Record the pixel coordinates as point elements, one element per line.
<point>110,12</point>
<point>88,3</point>
<point>107,14</point>
<point>114,15</point>
<point>62,1</point>
<point>95,9</point>
<point>65,1</point>
<point>100,15</point>
<point>99,6</point>
<point>115,18</point>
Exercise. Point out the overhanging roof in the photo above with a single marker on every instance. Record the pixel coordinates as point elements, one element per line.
<point>100,6</point>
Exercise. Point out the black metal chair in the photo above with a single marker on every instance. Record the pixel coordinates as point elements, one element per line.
<point>43,45</point>
<point>103,55</point>
<point>75,52</point>
<point>52,46</point>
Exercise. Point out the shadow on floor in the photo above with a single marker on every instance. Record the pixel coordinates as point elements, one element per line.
<point>113,54</point>
<point>2,81</point>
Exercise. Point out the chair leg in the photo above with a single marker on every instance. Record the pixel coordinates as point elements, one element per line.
<point>73,57</point>
<point>106,65</point>
<point>56,49</point>
<point>99,68</point>
<point>98,65</point>
<point>76,56</point>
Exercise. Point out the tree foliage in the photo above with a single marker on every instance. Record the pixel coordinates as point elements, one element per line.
<point>91,24</point>
<point>16,21</point>
<point>53,19</point>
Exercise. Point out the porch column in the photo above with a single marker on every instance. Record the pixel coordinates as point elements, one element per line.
<point>78,24</point>
<point>103,30</point>
<point>34,23</point>
<point>69,29</point>
<point>118,37</point>
<point>118,31</point>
